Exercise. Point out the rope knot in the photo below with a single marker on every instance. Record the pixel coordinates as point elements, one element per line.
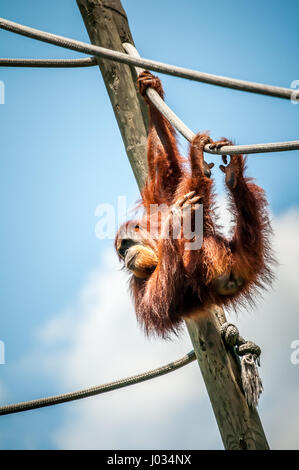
<point>248,347</point>
<point>230,333</point>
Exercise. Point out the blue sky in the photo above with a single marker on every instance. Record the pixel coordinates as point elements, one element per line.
<point>62,155</point>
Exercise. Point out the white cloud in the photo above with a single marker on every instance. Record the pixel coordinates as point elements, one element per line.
<point>96,340</point>
<point>105,343</point>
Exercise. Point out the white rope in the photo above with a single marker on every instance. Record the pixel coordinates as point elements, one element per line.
<point>189,135</point>
<point>148,64</point>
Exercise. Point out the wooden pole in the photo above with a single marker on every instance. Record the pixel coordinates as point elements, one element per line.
<point>239,425</point>
<point>106,23</point>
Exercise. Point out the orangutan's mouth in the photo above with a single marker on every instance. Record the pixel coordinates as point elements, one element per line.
<point>129,260</point>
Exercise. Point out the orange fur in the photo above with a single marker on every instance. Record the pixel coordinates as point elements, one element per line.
<point>183,283</point>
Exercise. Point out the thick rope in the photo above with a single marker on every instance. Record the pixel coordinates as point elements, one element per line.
<point>59,63</point>
<point>85,48</point>
<point>97,390</point>
<point>134,59</point>
<point>189,134</point>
